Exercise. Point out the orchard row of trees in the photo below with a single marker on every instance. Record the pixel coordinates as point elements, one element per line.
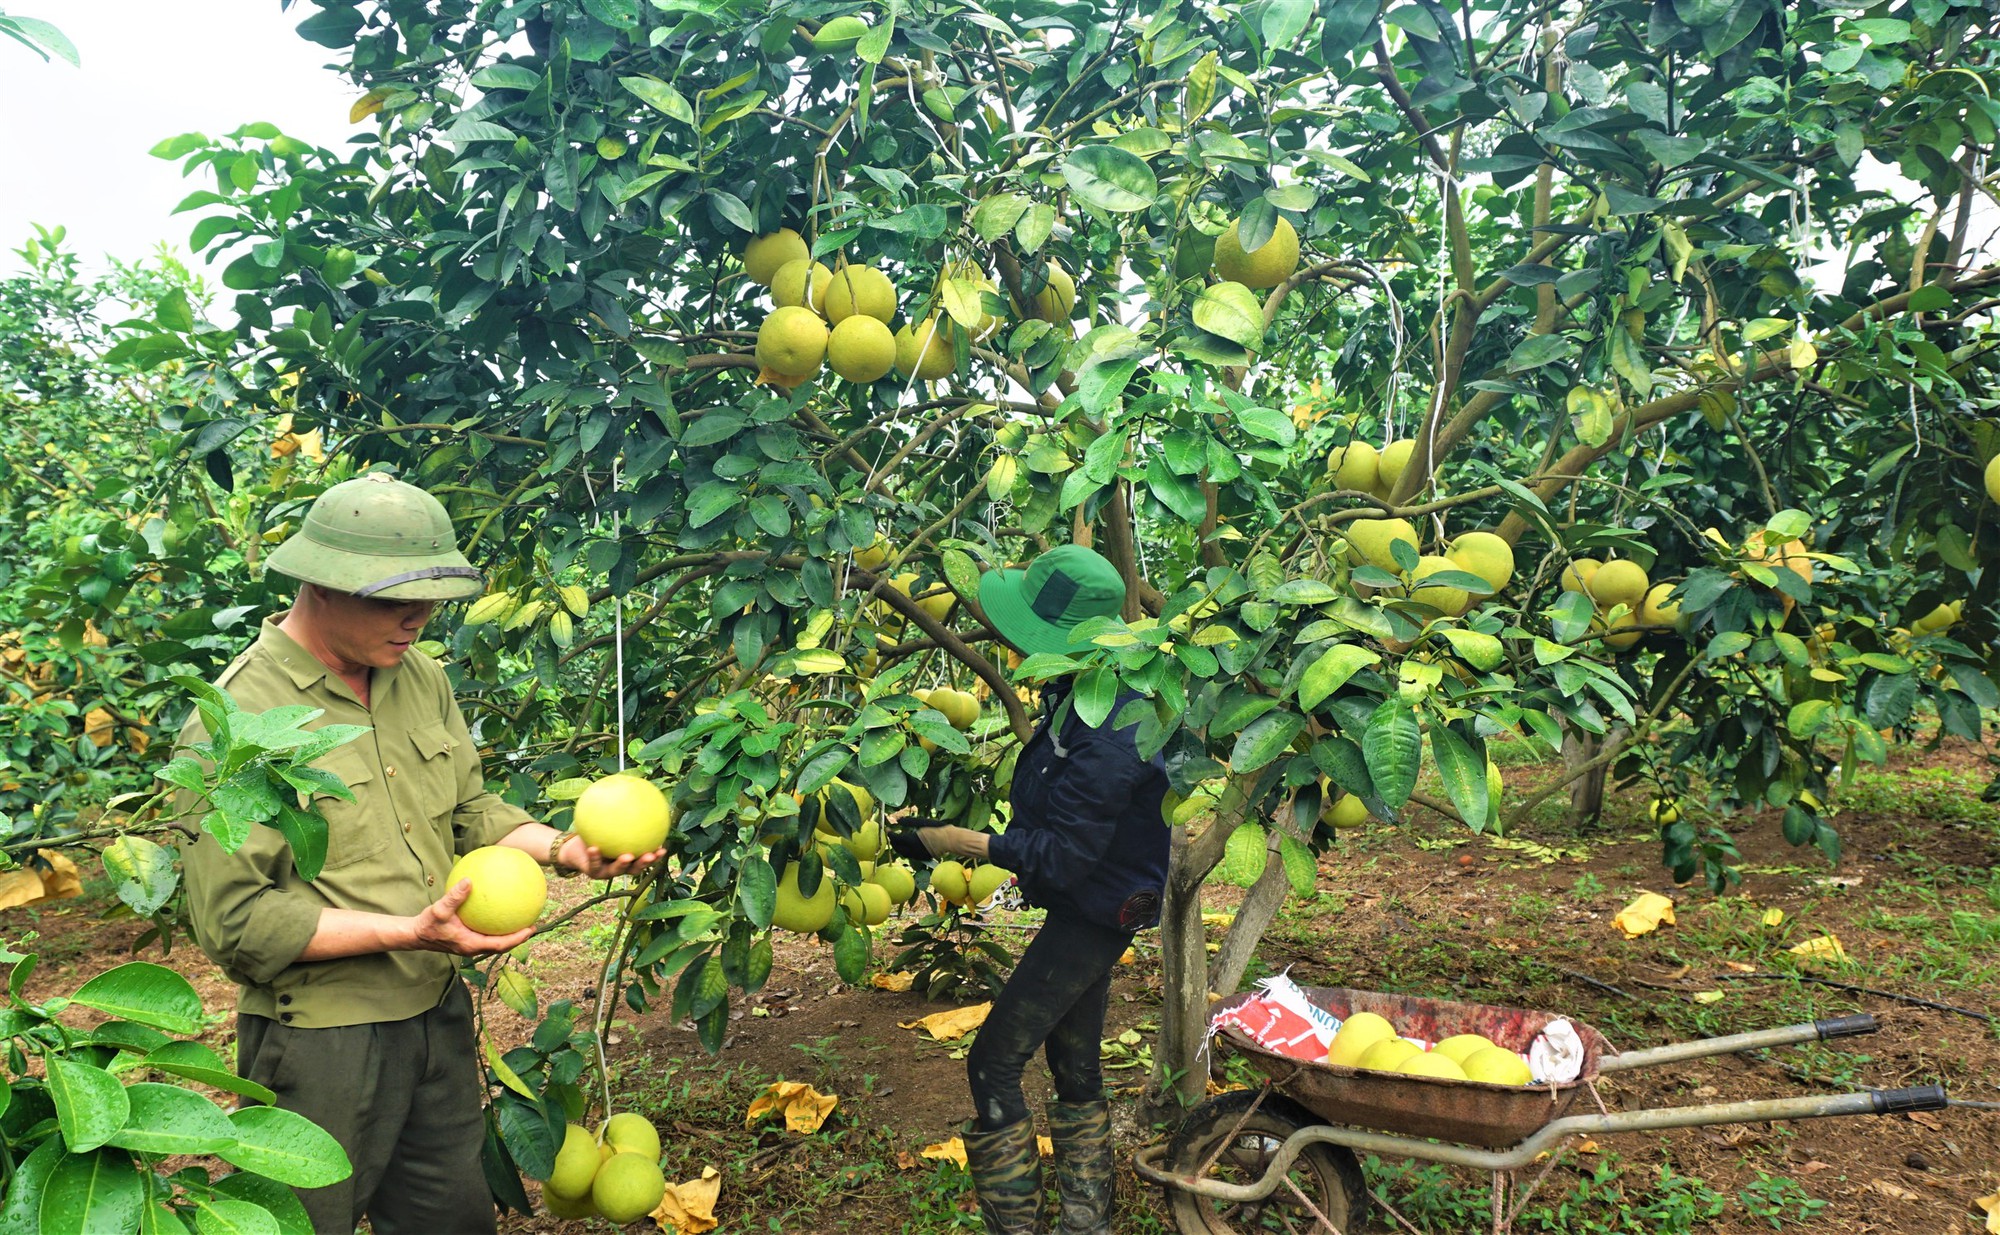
<point>1692,286</point>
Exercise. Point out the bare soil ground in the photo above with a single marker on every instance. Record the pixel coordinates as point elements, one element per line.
<point>1915,903</point>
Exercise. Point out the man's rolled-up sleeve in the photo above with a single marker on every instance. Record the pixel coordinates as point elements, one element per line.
<point>238,913</point>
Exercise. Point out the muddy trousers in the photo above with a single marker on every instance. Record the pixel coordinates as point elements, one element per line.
<point>1055,1000</point>
<point>402,1098</point>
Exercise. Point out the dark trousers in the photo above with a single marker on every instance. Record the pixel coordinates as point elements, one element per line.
<point>403,1100</point>
<point>1055,1000</point>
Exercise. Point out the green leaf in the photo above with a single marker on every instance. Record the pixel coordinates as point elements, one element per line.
<point>96,1193</point>
<point>998,214</point>
<point>1462,767</point>
<point>1304,592</point>
<point>757,890</point>
<point>281,1202</point>
<point>1481,651</point>
<point>1232,311</point>
<point>285,1146</point>
<point>90,1103</point>
<point>1301,868</point>
<point>1880,660</point>
<point>1332,670</point>
<point>1930,298</point>
<point>198,1063</point>
<point>850,954</point>
<point>305,834</point>
<point>1095,694</point>
<point>143,871</point>
<point>1538,350</point>
<point>20,1212</point>
<point>1244,855</point>
<point>166,1119</point>
<point>228,1216</point>
<point>1264,739</point>
<point>1393,746</point>
<point>1284,21</point>
<point>1809,717</point>
<point>147,993</point>
<point>1110,178</point>
<point>42,37</point>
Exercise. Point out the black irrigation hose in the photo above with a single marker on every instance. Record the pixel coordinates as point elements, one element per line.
<point>1859,990</point>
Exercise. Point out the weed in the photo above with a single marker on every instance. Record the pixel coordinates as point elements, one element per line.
<point>1778,1199</point>
<point>1588,887</point>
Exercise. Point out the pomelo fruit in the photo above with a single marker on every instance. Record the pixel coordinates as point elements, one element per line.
<point>1459,1046</point>
<point>630,1133</point>
<point>866,842</point>
<point>1346,811</point>
<point>1388,1055</point>
<point>950,881</point>
<point>898,880</point>
<point>1389,467</point>
<point>1432,1064</point>
<point>925,349</point>
<point>1577,575</point>
<point>1270,264</point>
<point>1657,610</point>
<point>1993,478</point>
<point>861,349</point>
<point>985,881</point>
<point>508,889</point>
<point>1497,1066</point>
<point>767,254</point>
<point>1057,299</point>
<point>792,340</point>
<point>801,283</point>
<point>1372,538</point>
<point>801,913</point>
<point>1357,1034</point>
<point>861,290</point>
<point>1623,633</point>
<point>1356,466</point>
<point>576,1164</point>
<point>622,814</point>
<point>1486,555</point>
<point>627,1187</point>
<point>866,903</point>
<point>1619,582</point>
<point>864,802</point>
<point>560,1206</point>
<point>1449,601</point>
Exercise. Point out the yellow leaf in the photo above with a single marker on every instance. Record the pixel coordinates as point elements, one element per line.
<point>689,1208</point>
<point>1214,918</point>
<point>367,105</point>
<point>1044,1146</point>
<point>61,880</point>
<point>1708,996</point>
<point>892,981</point>
<point>19,888</point>
<point>1991,1204</point>
<point>952,1150</point>
<point>1644,915</point>
<point>1773,917</point>
<point>508,1077</point>
<point>1824,948</point>
<point>1802,353</point>
<point>945,1026</point>
<point>803,1107</point>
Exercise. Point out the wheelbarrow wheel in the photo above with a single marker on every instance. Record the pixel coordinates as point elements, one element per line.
<point>1327,1176</point>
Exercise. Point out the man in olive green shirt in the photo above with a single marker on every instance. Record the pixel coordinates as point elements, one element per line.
<point>351,1009</point>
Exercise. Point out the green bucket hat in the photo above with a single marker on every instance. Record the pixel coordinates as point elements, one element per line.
<point>379,537</point>
<point>1035,609</point>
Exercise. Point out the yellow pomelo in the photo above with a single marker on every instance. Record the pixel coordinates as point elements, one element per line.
<point>801,913</point>
<point>508,889</point>
<point>861,349</point>
<point>925,349</point>
<point>950,881</point>
<point>864,803</point>
<point>1355,466</point>
<point>767,254</point>
<point>985,881</point>
<point>630,1133</point>
<point>861,290</point>
<point>1388,1055</point>
<point>875,555</point>
<point>1486,555</point>
<point>1663,811</point>
<point>576,1164</point>
<point>866,841</point>
<point>1346,811</point>
<point>866,903</point>
<point>1395,457</point>
<point>1372,538</point>
<point>1358,1033</point>
<point>1057,299</point>
<point>1449,601</point>
<point>1993,478</point>
<point>1619,582</point>
<point>1621,634</point>
<point>1432,1064</point>
<point>839,34</point>
<point>1577,575</point>
<point>623,814</point>
<point>792,340</point>
<point>1657,610</point>
<point>627,1188</point>
<point>1271,264</point>
<point>560,1206</point>
<point>1497,1066</point>
<point>1938,620</point>
<point>959,707</point>
<point>897,879</point>
<point>1458,1046</point>
<point>801,283</point>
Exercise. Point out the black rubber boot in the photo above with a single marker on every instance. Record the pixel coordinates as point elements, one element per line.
<point>1084,1172</point>
<point>1007,1175</point>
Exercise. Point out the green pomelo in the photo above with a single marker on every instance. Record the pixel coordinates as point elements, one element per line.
<point>628,1187</point>
<point>508,889</point>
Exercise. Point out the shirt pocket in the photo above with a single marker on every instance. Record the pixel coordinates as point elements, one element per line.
<point>434,771</point>
<point>355,831</point>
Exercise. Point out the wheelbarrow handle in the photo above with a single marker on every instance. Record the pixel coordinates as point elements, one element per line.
<point>1917,1098</point>
<point>1703,1048</point>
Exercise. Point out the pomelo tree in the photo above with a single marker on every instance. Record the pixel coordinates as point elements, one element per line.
<point>1272,304</point>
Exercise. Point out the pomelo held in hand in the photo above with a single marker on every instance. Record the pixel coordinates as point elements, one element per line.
<point>508,889</point>
<point>623,814</point>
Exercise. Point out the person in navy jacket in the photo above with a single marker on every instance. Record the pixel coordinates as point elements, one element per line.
<point>1088,844</point>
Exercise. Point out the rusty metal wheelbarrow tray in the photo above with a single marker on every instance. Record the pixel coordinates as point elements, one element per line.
<point>1468,1112</point>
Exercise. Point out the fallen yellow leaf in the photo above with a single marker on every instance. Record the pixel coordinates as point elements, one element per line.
<point>803,1107</point>
<point>1708,996</point>
<point>689,1208</point>
<point>892,981</point>
<point>1131,955</point>
<point>956,1023</point>
<point>1773,916</point>
<point>952,1150</point>
<point>1644,915</point>
<point>1216,917</point>
<point>1991,1204</point>
<point>29,886</point>
<point>1823,948</point>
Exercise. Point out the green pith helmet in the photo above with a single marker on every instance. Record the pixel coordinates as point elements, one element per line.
<point>379,537</point>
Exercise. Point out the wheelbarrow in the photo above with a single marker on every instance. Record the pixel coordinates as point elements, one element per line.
<point>1283,1157</point>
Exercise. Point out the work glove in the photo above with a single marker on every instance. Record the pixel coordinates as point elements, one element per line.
<point>927,838</point>
<point>907,839</point>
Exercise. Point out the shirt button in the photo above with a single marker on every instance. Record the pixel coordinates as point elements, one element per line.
<point>406,827</point>
<point>285,1017</point>
<point>392,771</point>
<point>430,881</point>
<point>284,999</point>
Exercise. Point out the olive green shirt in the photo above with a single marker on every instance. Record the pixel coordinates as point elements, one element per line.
<point>420,801</point>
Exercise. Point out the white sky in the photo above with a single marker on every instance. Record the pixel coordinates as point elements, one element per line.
<point>75,141</point>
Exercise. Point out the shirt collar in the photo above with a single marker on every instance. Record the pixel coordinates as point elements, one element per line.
<point>302,666</point>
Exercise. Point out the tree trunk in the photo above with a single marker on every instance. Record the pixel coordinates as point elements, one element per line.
<point>1586,793</point>
<point>1253,917</point>
<point>1178,1080</point>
